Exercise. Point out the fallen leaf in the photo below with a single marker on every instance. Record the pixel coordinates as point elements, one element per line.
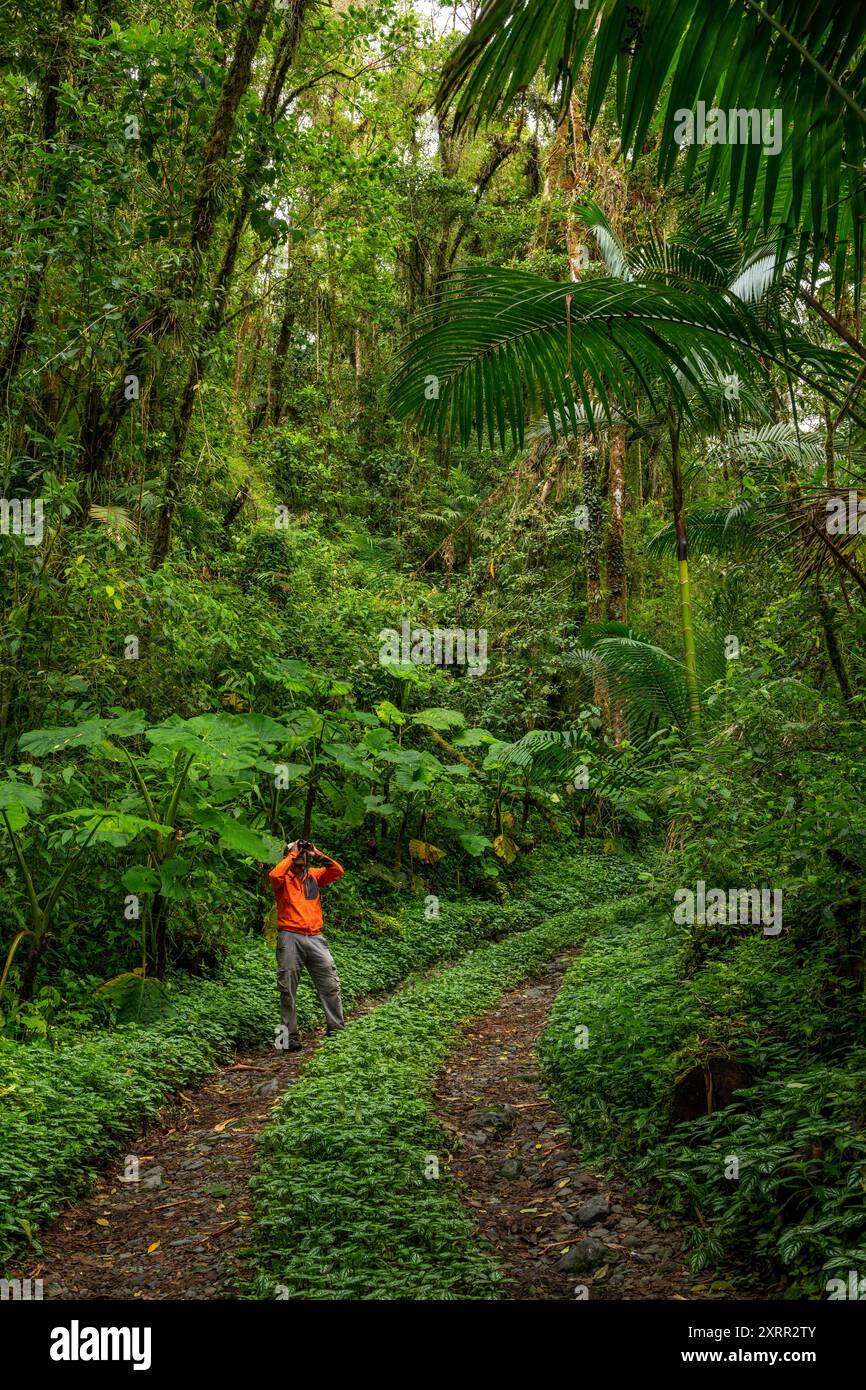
<point>155,1246</point>
<point>101,1221</point>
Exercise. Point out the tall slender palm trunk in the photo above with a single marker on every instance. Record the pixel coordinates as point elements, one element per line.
<point>683,570</point>
<point>616,576</point>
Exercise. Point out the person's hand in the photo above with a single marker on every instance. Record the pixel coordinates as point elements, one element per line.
<point>291,848</point>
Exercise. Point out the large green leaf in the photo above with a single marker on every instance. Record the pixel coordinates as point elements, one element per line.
<point>234,835</point>
<point>474,844</point>
<point>379,740</point>
<point>167,879</point>
<point>472,738</point>
<point>288,772</point>
<point>389,713</point>
<point>89,734</point>
<point>171,878</point>
<point>17,800</point>
<point>136,998</point>
<point>105,821</point>
<point>346,757</point>
<point>38,742</point>
<point>440,719</point>
<point>140,878</point>
<point>346,801</point>
<point>219,741</point>
<point>266,731</point>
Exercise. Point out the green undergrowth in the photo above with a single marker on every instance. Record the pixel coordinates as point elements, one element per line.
<point>353,1198</point>
<point>76,1104</point>
<point>776,1179</point>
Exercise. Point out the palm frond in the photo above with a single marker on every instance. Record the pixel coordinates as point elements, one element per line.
<point>822,524</point>
<point>613,252</point>
<point>543,755</point>
<point>116,518</point>
<point>761,269</point>
<point>805,62</point>
<point>500,344</point>
<point>587,423</point>
<point>707,253</point>
<point>771,446</point>
<point>714,531</point>
<point>648,682</point>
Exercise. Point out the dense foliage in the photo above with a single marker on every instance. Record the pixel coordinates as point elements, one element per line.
<point>407,440</point>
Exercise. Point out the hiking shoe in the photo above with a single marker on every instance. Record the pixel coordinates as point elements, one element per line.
<point>294,1045</point>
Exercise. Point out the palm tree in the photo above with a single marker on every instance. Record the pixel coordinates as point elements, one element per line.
<point>805,62</point>
<point>658,341</point>
<point>782,508</point>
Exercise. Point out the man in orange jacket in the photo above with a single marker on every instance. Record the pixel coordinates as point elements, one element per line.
<point>299,937</point>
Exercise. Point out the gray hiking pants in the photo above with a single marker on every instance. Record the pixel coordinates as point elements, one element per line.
<point>293,953</point>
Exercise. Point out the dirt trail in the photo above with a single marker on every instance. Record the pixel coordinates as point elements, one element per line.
<point>178,1232</point>
<point>557,1228</point>
<point>180,1237</point>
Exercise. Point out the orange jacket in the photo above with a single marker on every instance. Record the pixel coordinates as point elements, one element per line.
<point>299,907</point>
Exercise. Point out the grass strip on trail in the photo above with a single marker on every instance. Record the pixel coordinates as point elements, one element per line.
<point>347,1202</point>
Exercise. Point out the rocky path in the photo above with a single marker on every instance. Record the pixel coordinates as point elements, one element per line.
<point>176,1232</point>
<point>561,1231</point>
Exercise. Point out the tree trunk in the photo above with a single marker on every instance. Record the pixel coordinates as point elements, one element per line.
<point>683,569</point>
<point>213,322</point>
<point>160,935</point>
<point>831,642</point>
<point>398,846</point>
<point>276,371</point>
<point>555,162</point>
<point>309,803</point>
<point>616,576</point>
<point>48,201</point>
<point>592,538</point>
<point>37,950</point>
<point>592,546</point>
<point>235,507</point>
<point>203,219</point>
